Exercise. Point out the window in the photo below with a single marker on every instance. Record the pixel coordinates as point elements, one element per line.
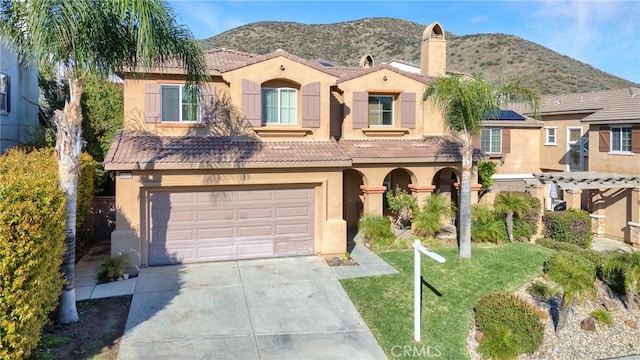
<point>380,110</point>
<point>491,140</point>
<point>621,139</point>
<point>180,103</point>
<point>279,106</point>
<point>4,92</point>
<point>550,137</point>
<point>574,158</point>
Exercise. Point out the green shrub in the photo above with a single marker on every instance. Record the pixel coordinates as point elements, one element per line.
<point>570,226</point>
<point>541,290</point>
<point>86,179</point>
<point>113,268</point>
<point>588,254</point>
<point>402,205</point>
<point>602,316</point>
<point>622,271</point>
<point>376,230</point>
<point>486,226</point>
<point>510,326</point>
<point>32,232</point>
<point>486,169</point>
<point>428,220</point>
<point>573,272</point>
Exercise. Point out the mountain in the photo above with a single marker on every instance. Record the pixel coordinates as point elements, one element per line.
<point>493,55</point>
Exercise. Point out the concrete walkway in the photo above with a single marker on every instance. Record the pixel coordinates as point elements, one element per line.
<point>86,281</point>
<point>603,244</point>
<point>285,308</point>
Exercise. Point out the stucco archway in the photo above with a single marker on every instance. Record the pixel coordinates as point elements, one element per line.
<point>398,178</point>
<point>352,197</point>
<point>444,180</point>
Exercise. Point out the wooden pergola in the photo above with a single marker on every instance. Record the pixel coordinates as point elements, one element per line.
<point>588,180</point>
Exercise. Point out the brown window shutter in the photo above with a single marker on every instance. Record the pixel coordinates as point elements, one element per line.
<point>635,139</point>
<point>152,103</point>
<point>208,105</point>
<point>604,136</point>
<point>360,110</point>
<point>408,110</point>
<point>506,140</point>
<point>252,102</point>
<point>311,105</point>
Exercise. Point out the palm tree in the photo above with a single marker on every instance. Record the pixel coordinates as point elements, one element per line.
<point>84,38</point>
<point>511,203</point>
<point>466,101</point>
<point>628,266</point>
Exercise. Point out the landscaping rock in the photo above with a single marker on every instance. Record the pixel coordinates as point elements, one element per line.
<point>334,261</point>
<point>609,305</point>
<point>588,324</point>
<point>479,336</point>
<point>631,324</point>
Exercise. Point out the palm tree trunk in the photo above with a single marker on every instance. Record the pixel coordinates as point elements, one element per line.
<point>465,200</point>
<point>68,146</point>
<point>510,225</point>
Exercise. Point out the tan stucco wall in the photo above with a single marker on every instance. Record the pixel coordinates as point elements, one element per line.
<point>130,236</point>
<point>552,157</point>
<point>604,161</point>
<point>524,156</point>
<point>427,122</point>
<point>617,209</point>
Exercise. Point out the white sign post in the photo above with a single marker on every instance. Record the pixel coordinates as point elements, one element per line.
<point>417,285</point>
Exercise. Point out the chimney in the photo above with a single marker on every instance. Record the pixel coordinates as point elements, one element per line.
<point>433,51</point>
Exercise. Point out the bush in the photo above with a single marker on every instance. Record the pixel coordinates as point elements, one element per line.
<point>403,205</point>
<point>376,230</point>
<point>541,290</point>
<point>486,226</point>
<point>86,178</point>
<point>602,316</point>
<point>510,326</point>
<point>427,221</point>
<point>622,271</point>
<point>113,268</point>
<point>590,255</point>
<point>32,232</point>
<point>573,272</point>
<point>570,226</point>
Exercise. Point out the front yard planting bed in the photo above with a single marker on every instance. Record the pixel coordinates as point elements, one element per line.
<point>451,292</point>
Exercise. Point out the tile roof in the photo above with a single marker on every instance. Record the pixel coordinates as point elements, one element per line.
<point>272,55</point>
<point>605,106</point>
<point>130,151</point>
<point>218,58</point>
<point>365,71</point>
<point>428,149</point>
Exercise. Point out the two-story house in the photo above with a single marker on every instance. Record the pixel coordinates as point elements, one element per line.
<point>275,156</point>
<point>18,100</point>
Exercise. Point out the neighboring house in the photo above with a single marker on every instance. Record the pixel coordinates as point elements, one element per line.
<point>276,156</point>
<point>587,149</point>
<point>18,100</point>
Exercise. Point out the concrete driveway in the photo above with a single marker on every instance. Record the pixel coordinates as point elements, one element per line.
<point>289,308</point>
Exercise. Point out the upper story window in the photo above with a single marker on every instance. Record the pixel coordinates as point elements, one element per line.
<point>491,140</point>
<point>4,92</point>
<point>380,110</point>
<point>551,136</point>
<point>180,103</point>
<point>621,139</point>
<point>279,106</point>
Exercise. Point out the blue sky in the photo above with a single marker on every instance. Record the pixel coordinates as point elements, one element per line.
<point>604,34</point>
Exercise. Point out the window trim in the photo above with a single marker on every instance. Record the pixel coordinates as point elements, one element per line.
<point>547,135</point>
<point>620,152</point>
<point>264,106</point>
<point>180,105</point>
<point>4,99</point>
<point>491,129</point>
<point>392,111</point>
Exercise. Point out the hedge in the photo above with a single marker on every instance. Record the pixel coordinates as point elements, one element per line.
<point>486,225</point>
<point>525,225</point>
<point>570,226</point>
<point>86,178</point>
<point>32,232</point>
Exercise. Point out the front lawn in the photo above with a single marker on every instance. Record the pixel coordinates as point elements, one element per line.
<point>386,302</point>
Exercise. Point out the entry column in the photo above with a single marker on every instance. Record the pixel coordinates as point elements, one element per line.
<point>373,199</point>
<point>634,224</point>
<point>421,192</point>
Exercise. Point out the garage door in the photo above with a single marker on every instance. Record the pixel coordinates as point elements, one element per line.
<point>199,226</point>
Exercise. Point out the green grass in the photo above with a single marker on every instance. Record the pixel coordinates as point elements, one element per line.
<point>386,302</point>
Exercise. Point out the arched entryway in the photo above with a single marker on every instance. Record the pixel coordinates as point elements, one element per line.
<point>396,179</point>
<point>444,181</point>
<point>352,198</point>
